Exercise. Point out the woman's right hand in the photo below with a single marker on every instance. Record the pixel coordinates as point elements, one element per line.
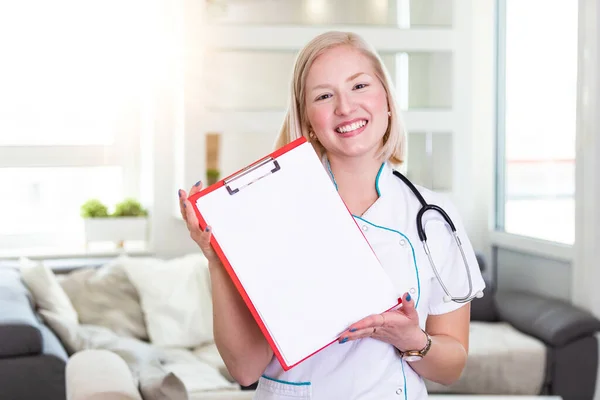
<point>202,238</point>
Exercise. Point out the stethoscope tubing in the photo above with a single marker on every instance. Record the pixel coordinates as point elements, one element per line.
<point>423,237</point>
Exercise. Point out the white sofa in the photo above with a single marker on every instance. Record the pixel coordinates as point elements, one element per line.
<point>156,316</point>
<point>103,375</point>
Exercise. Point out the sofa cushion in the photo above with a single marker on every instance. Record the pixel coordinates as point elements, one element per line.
<point>32,377</point>
<point>209,354</point>
<point>554,321</point>
<point>17,340</point>
<point>501,360</point>
<point>484,309</point>
<point>52,345</point>
<point>196,374</point>
<point>156,383</point>
<point>19,326</point>
<point>76,338</point>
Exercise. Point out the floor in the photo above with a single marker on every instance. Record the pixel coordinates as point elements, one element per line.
<point>490,397</point>
<point>248,396</point>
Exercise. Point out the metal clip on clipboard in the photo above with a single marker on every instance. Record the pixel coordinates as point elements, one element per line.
<point>251,174</point>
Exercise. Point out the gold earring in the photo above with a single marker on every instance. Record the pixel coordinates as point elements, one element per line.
<point>311,135</point>
<point>389,113</point>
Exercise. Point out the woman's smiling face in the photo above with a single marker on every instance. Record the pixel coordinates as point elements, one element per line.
<point>346,103</point>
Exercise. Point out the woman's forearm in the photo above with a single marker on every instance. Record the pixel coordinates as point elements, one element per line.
<point>444,362</point>
<point>244,349</point>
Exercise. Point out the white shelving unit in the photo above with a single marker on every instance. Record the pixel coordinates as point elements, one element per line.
<point>251,46</point>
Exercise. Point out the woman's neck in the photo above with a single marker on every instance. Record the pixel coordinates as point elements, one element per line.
<point>355,180</point>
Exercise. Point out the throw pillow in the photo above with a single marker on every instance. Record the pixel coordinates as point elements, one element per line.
<point>46,291</point>
<point>175,297</point>
<point>105,297</point>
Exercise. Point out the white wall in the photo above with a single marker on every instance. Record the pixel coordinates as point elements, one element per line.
<point>248,80</point>
<point>461,79</point>
<point>241,149</point>
<point>543,275</point>
<point>473,101</point>
<point>430,80</point>
<point>586,273</point>
<point>482,127</point>
<point>173,144</point>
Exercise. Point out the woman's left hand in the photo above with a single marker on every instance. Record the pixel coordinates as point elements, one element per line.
<point>399,328</point>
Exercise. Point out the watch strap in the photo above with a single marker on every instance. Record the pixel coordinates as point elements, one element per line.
<point>418,354</point>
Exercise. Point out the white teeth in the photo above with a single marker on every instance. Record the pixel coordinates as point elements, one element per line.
<point>351,127</point>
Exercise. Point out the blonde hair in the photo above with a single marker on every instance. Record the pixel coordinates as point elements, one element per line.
<point>296,124</point>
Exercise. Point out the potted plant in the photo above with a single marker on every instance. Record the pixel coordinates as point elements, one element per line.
<point>129,221</point>
<point>212,176</point>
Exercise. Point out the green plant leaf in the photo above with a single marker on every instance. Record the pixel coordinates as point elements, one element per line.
<point>129,208</point>
<point>94,208</point>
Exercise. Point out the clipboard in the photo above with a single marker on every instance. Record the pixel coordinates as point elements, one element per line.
<point>294,251</point>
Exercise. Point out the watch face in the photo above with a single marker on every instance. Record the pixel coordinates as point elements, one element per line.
<point>410,358</point>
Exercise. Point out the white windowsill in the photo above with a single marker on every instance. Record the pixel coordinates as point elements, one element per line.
<point>73,252</point>
<point>530,245</point>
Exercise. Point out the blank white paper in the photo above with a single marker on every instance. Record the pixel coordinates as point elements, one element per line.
<point>296,249</point>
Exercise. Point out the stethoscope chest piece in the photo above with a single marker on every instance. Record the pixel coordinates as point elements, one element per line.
<point>423,237</point>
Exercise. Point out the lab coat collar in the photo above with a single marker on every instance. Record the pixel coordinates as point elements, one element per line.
<point>382,180</point>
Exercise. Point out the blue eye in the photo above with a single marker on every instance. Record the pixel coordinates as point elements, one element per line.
<point>323,97</point>
<point>361,86</point>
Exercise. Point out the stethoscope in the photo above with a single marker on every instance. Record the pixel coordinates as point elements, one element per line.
<point>421,230</point>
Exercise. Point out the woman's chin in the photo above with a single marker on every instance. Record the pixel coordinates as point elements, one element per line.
<point>356,151</point>
<point>357,147</point>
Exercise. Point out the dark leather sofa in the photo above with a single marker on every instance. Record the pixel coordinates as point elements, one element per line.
<point>568,332</point>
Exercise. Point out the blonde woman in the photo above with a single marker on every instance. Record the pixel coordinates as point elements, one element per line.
<point>342,101</point>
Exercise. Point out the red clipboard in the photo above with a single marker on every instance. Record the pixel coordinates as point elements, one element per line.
<point>269,165</point>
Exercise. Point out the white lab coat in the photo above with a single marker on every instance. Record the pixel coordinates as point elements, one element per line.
<point>369,368</point>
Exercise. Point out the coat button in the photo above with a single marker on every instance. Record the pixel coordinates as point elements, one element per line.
<point>402,242</point>
<point>399,391</point>
<point>412,290</point>
<point>365,228</point>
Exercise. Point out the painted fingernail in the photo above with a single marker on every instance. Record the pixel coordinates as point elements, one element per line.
<point>198,183</point>
<point>344,340</point>
<point>207,229</point>
<point>353,330</point>
<point>179,193</point>
<point>184,205</point>
<point>408,297</point>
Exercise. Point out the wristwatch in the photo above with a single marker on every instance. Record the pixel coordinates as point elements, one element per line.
<point>416,355</point>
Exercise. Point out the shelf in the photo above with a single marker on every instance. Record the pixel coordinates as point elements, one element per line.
<point>293,38</point>
<point>259,80</point>
<point>269,122</point>
<point>252,47</point>
<point>430,160</point>
<point>379,13</point>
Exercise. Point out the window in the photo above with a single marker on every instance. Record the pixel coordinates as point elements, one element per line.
<point>71,102</point>
<point>537,61</point>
